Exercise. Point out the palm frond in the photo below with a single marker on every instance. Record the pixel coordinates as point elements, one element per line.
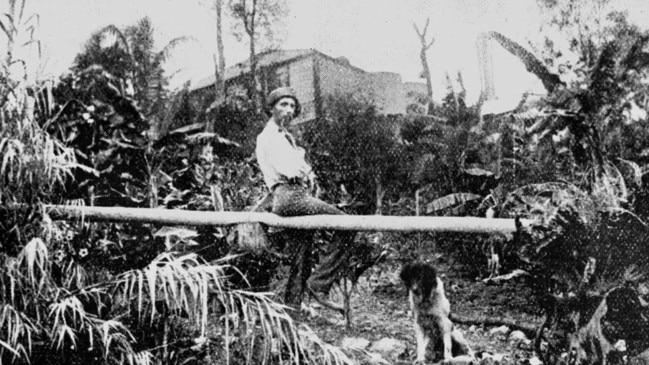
<point>140,358</point>
<point>6,346</point>
<point>263,319</point>
<point>17,331</point>
<point>187,284</point>
<point>115,337</point>
<point>163,55</point>
<point>180,282</point>
<point>71,324</point>
<point>113,30</point>
<point>74,276</point>
<point>635,171</point>
<point>33,260</point>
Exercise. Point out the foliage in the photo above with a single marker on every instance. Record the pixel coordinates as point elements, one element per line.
<point>108,132</point>
<point>33,165</point>
<point>105,116</point>
<point>80,314</point>
<point>130,56</point>
<point>439,147</point>
<point>342,155</point>
<point>586,233</point>
<point>453,160</point>
<point>24,180</point>
<point>232,119</point>
<point>258,19</point>
<point>193,175</point>
<point>79,293</point>
<point>573,162</point>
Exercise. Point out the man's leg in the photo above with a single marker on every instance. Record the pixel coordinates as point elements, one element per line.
<point>336,257</point>
<point>333,263</point>
<point>301,246</point>
<point>295,201</point>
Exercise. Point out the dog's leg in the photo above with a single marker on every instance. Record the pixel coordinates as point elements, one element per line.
<point>421,336</point>
<point>422,342</point>
<point>460,345</point>
<point>445,327</point>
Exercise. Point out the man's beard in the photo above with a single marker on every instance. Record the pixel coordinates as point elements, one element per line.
<point>285,120</point>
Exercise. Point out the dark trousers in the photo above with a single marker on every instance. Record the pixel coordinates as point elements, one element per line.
<point>294,200</point>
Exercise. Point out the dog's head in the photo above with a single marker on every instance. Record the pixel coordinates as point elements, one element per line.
<point>419,278</point>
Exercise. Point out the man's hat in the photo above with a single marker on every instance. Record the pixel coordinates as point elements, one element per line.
<point>282,92</point>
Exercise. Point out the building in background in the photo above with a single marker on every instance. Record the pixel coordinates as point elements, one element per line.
<point>315,77</point>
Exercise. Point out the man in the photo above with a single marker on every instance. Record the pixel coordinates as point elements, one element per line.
<point>290,178</point>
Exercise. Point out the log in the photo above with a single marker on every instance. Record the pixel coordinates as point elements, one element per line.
<point>312,222</point>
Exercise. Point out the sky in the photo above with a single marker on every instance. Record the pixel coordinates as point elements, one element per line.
<point>375,35</point>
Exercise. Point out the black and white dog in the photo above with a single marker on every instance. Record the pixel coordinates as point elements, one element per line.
<point>431,310</point>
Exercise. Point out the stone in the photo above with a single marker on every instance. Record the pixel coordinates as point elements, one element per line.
<point>518,336</point>
<point>502,330</point>
<point>389,347</point>
<point>375,359</point>
<point>354,343</point>
<point>489,358</point>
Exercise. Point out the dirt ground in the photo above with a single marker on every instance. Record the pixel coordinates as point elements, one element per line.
<point>380,309</point>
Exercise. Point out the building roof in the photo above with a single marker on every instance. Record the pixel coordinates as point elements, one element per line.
<point>264,59</point>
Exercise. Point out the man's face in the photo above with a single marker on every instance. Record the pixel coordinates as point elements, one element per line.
<point>283,111</point>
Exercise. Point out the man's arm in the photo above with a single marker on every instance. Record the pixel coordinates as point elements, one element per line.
<point>282,158</point>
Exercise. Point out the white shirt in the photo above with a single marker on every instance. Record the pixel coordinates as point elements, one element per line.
<point>279,157</point>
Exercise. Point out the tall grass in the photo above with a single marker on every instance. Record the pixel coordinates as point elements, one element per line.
<point>32,164</point>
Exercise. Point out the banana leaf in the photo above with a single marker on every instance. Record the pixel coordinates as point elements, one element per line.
<point>456,203</point>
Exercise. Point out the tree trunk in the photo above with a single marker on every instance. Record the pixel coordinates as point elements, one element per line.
<point>220,66</point>
<point>254,81</point>
<point>380,193</point>
<point>424,63</point>
<point>310,222</point>
<point>429,83</point>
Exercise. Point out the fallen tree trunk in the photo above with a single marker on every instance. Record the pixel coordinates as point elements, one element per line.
<point>528,329</point>
<point>312,222</point>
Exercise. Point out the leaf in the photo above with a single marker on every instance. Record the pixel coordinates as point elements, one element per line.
<point>478,172</point>
<point>8,347</point>
<point>635,169</point>
<point>4,29</point>
<point>450,201</point>
<point>179,232</point>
